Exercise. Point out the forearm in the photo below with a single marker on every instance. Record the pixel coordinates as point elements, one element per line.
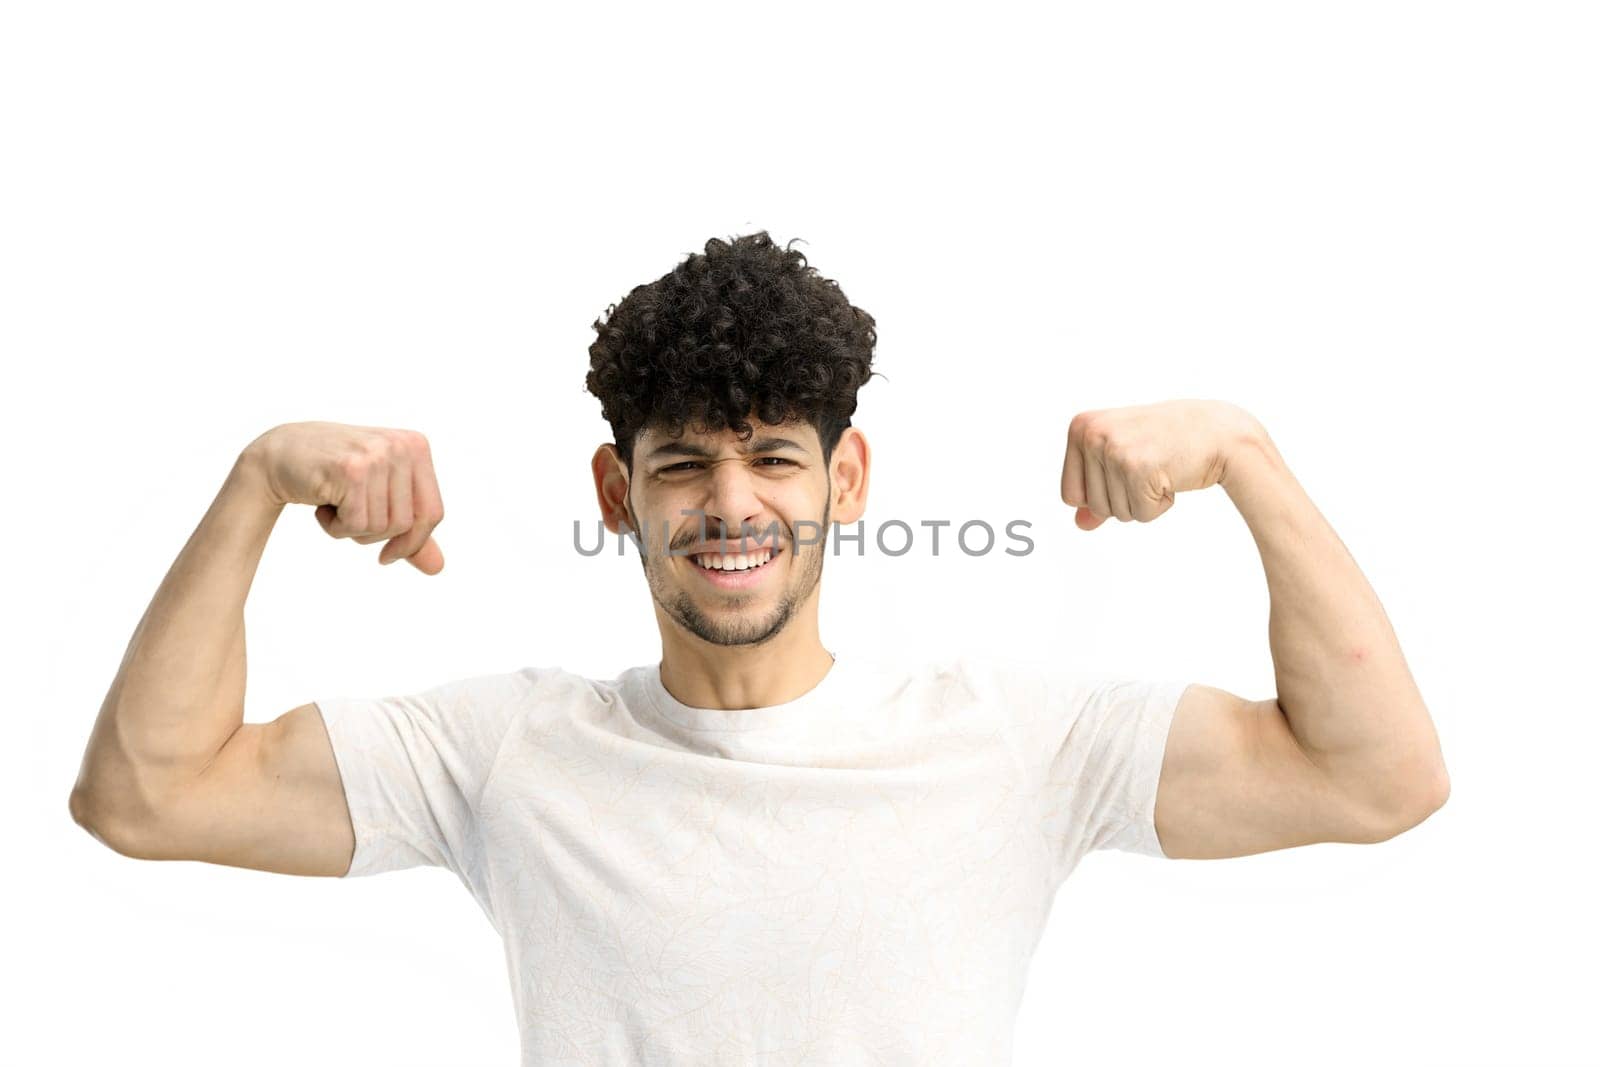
<point>1342,680</point>
<point>179,691</point>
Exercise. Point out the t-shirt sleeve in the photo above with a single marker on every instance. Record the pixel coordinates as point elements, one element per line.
<point>414,766</point>
<point>1098,745</point>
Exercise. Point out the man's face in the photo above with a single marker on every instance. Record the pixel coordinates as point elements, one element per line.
<point>714,498</point>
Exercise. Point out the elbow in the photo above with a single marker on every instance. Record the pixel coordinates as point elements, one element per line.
<point>88,813</point>
<point>1429,796</point>
<point>1432,793</point>
<point>99,824</point>
<point>85,810</point>
<point>1441,790</point>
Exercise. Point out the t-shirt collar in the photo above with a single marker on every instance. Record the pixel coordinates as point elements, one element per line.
<point>789,714</point>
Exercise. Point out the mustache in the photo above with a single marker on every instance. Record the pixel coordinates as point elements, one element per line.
<point>773,535</point>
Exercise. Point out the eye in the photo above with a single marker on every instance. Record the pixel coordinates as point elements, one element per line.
<point>690,464</point>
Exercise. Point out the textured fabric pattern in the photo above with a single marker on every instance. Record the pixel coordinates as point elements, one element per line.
<point>858,876</point>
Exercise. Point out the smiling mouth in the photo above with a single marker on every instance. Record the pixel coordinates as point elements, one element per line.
<point>735,564</point>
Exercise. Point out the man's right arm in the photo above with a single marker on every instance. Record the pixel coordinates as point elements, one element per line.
<point>171,770</point>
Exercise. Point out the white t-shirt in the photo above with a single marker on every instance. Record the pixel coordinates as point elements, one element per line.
<point>858,876</point>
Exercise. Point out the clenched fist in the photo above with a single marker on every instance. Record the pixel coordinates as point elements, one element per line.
<point>1131,462</point>
<point>367,483</point>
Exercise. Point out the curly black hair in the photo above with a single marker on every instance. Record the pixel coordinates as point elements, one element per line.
<point>746,328</point>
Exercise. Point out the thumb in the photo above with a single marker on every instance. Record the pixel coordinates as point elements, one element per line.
<point>428,559</point>
<point>1086,519</point>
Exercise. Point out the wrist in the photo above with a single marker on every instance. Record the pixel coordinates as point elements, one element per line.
<point>249,475</point>
<point>1249,454</point>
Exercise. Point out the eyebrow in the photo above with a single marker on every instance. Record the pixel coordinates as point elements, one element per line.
<point>759,444</point>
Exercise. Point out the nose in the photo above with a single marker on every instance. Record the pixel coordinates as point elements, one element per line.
<point>732,500</point>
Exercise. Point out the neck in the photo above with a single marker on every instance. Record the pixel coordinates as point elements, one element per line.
<point>739,677</point>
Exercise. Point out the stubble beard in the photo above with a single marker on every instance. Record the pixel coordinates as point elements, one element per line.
<point>680,605</point>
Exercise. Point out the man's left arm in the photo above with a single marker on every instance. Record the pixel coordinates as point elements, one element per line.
<point>1347,750</point>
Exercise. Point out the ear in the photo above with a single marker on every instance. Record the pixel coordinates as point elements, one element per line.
<point>849,467</point>
<point>611,486</point>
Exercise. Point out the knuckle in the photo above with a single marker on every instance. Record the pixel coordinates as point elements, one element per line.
<point>353,466</point>
<point>1130,457</point>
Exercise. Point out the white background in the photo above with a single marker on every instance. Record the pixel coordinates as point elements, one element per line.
<point>1372,225</point>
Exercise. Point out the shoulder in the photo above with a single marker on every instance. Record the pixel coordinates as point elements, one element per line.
<point>489,703</point>
<point>547,695</point>
<point>1047,703</point>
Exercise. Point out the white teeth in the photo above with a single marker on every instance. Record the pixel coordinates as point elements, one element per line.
<point>741,562</point>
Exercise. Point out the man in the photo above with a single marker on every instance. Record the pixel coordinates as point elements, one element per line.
<point>754,850</point>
